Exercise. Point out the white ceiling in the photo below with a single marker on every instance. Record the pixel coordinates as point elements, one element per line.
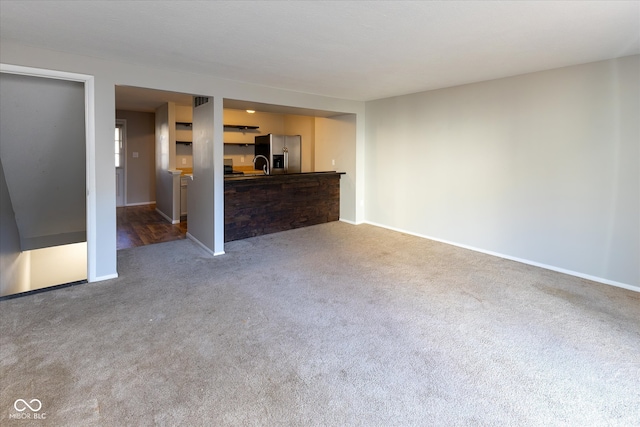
<point>360,50</point>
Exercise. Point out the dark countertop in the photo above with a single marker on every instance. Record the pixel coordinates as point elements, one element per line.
<point>279,176</point>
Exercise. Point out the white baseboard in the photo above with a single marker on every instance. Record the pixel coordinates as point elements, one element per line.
<point>348,221</point>
<point>202,245</point>
<point>140,204</point>
<point>101,278</point>
<point>172,221</point>
<point>521,260</point>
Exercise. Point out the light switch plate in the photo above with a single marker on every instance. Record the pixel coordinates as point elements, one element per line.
<point>135,154</point>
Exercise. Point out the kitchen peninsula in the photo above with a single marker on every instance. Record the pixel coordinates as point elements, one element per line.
<point>263,204</point>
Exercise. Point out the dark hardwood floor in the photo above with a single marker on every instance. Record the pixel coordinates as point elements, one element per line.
<point>142,225</point>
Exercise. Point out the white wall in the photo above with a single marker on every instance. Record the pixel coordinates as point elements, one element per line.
<point>165,158</point>
<point>542,167</point>
<point>333,153</point>
<point>201,207</point>
<point>45,265</point>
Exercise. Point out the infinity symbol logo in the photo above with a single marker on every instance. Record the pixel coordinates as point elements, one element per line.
<point>25,405</point>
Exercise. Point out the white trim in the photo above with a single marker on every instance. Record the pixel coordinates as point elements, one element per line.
<point>119,174</point>
<point>123,122</point>
<point>521,260</point>
<point>199,243</point>
<point>177,221</point>
<point>90,142</point>
<point>42,72</point>
<point>349,221</point>
<point>92,203</point>
<point>215,123</point>
<point>107,277</point>
<point>140,204</point>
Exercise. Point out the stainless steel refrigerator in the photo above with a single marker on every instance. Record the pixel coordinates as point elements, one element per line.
<point>283,152</point>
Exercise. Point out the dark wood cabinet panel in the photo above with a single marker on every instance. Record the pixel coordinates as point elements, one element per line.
<point>269,204</point>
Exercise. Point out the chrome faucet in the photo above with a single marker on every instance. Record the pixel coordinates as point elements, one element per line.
<point>265,168</point>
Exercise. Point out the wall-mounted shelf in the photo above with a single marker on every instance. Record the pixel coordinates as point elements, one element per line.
<point>189,125</point>
<point>242,144</point>
<point>240,127</point>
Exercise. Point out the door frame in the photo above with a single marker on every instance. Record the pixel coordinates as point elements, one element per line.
<point>90,142</point>
<point>123,122</point>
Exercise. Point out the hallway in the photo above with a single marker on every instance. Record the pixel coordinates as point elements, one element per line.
<point>142,225</point>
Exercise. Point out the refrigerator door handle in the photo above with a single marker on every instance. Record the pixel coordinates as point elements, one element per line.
<point>286,159</point>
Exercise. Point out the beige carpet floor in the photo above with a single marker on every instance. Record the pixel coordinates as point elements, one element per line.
<point>331,325</point>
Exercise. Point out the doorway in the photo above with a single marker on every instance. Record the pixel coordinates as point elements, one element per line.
<point>141,214</point>
<point>46,187</point>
